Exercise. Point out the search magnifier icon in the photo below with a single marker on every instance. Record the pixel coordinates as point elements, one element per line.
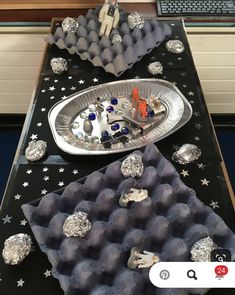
<point>191,274</point>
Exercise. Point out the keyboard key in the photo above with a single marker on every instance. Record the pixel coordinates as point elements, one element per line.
<point>197,7</point>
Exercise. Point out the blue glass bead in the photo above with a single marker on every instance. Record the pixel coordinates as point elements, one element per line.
<point>150,113</point>
<point>109,109</point>
<point>114,100</point>
<point>104,133</point>
<point>92,116</point>
<point>115,126</point>
<point>125,130</point>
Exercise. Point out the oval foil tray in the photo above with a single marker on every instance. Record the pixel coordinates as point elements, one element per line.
<point>66,118</point>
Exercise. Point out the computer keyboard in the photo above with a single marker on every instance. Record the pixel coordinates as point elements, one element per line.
<point>196,7</point>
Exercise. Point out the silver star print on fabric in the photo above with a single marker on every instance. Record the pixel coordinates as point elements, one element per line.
<point>201,166</point>
<point>7,219</point>
<point>214,204</point>
<point>47,273</point>
<point>17,197</point>
<point>20,283</point>
<point>23,222</point>
<point>205,182</point>
<point>190,93</point>
<point>184,173</point>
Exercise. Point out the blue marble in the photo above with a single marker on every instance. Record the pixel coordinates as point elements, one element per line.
<point>92,116</point>
<point>109,109</point>
<point>115,126</point>
<point>104,133</point>
<point>150,113</point>
<point>125,130</point>
<point>114,100</point>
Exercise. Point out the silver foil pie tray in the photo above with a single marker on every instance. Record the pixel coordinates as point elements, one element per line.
<point>66,118</point>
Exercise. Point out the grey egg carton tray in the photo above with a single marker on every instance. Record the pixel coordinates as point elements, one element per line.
<point>114,58</point>
<point>167,223</point>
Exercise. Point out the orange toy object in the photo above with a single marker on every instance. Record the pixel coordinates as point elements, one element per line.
<point>142,108</point>
<point>135,95</point>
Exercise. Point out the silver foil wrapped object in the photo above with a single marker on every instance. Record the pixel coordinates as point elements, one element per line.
<point>16,248</point>
<point>187,153</point>
<point>155,68</point>
<point>132,166</point>
<point>69,24</point>
<point>59,65</point>
<point>116,38</point>
<point>77,225</point>
<point>175,46</point>
<point>201,250</point>
<point>135,20</point>
<point>36,150</point>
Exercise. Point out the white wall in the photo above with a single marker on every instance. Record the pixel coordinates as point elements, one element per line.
<point>213,51</point>
<point>21,51</point>
<point>20,57</point>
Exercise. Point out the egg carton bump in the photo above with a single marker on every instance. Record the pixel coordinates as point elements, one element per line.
<point>159,219</point>
<point>115,57</point>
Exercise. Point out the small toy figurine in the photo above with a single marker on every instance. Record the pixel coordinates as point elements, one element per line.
<point>140,103</point>
<point>109,17</point>
<point>135,95</point>
<point>142,108</point>
<point>136,195</point>
<point>145,260</point>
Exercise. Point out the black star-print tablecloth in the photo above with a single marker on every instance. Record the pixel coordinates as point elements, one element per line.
<point>30,181</point>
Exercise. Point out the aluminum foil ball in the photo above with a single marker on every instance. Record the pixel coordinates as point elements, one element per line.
<point>116,38</point>
<point>135,20</point>
<point>175,46</point>
<point>36,150</point>
<point>132,166</point>
<point>201,250</point>
<point>77,225</point>
<point>70,25</point>
<point>155,68</point>
<point>16,248</point>
<point>59,65</point>
<point>187,153</point>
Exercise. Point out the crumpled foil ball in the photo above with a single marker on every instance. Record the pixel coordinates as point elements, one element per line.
<point>116,38</point>
<point>36,150</point>
<point>59,65</point>
<point>132,166</point>
<point>135,20</point>
<point>201,250</point>
<point>69,24</point>
<point>175,46</point>
<point>187,153</point>
<point>16,248</point>
<point>77,225</point>
<point>155,68</point>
